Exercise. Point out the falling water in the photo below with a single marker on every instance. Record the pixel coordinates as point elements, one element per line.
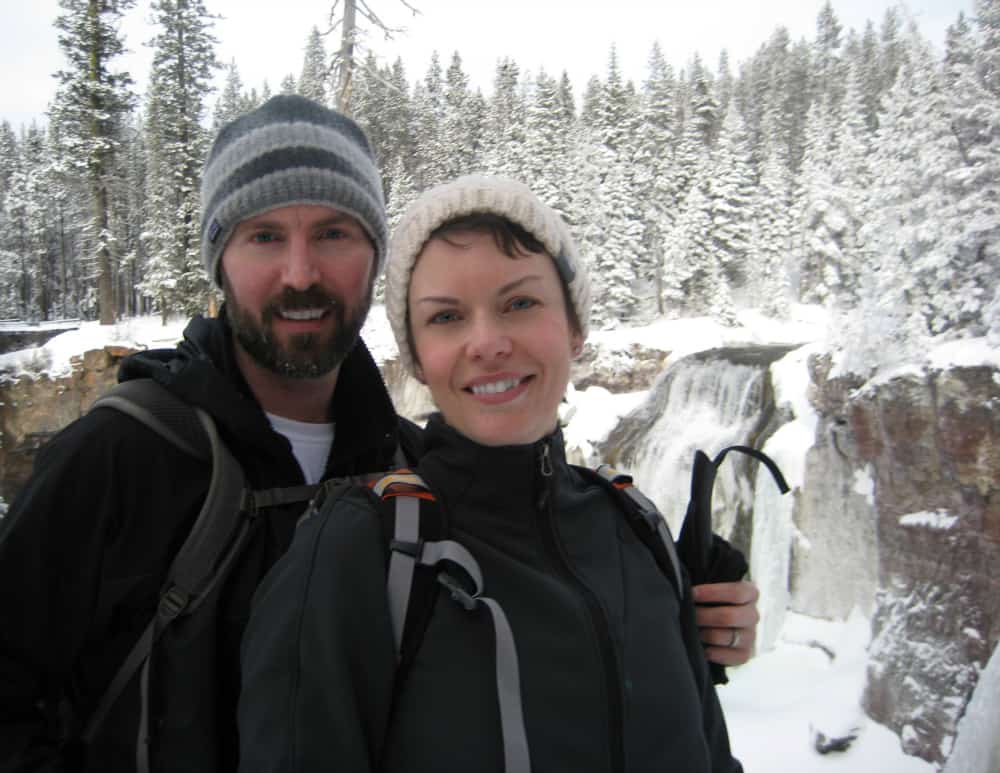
<point>708,402</point>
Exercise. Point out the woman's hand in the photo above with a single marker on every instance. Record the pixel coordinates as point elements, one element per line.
<point>726,613</point>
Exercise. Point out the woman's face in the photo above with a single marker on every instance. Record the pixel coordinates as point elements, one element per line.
<point>492,337</point>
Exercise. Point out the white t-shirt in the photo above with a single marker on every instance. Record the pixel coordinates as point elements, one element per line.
<point>311,444</point>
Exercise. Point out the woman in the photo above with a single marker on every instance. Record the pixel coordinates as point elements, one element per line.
<point>489,304</point>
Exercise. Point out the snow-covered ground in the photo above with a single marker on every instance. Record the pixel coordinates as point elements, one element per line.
<point>811,679</point>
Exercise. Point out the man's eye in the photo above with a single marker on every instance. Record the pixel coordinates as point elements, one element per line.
<point>333,233</point>
<point>263,237</point>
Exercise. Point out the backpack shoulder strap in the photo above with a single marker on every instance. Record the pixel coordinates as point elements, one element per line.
<point>412,525</point>
<point>216,537</point>
<point>645,518</point>
<point>414,555</point>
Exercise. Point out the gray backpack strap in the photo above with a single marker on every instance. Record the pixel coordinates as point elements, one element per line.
<point>408,551</point>
<point>401,565</point>
<point>517,758</point>
<point>214,541</point>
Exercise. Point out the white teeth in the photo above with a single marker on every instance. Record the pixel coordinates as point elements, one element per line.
<point>495,387</point>
<point>302,314</point>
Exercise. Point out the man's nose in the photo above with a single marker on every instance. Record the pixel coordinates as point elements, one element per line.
<point>301,264</point>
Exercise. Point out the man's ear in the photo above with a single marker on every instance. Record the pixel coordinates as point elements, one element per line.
<point>576,345</point>
<point>418,373</point>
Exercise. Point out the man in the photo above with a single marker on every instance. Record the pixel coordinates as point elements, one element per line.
<point>294,231</point>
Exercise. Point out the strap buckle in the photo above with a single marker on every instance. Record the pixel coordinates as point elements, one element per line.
<point>173,602</point>
<point>458,594</point>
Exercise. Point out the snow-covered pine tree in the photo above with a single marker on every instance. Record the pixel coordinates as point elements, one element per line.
<point>825,226</point>
<point>398,119</point>
<point>180,81</point>
<point>461,125</point>
<point>314,78</point>
<point>549,134</point>
<point>828,70</point>
<point>933,263</point>
<point>9,163</point>
<point>233,101</point>
<point>90,103</point>
<point>704,116</point>
<point>608,203</point>
<point>687,258</point>
<point>428,117</point>
<point>892,50</point>
<point>131,204</point>
<point>987,18</point>
<point>23,205</point>
<point>868,75</point>
<point>655,162</point>
<point>369,99</point>
<point>505,123</point>
<point>769,269</point>
<point>731,188</point>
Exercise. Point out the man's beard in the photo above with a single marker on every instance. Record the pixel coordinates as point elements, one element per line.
<point>307,355</point>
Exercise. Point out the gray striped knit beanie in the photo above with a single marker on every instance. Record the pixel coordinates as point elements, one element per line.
<point>290,150</point>
<point>470,195</point>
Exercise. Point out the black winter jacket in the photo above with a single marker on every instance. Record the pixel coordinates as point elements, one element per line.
<point>612,675</point>
<point>85,547</point>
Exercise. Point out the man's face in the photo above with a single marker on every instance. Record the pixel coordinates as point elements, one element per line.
<point>298,284</point>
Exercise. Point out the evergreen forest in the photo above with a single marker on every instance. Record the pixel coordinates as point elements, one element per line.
<point>858,170</point>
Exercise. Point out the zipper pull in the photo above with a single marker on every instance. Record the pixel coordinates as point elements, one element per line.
<point>545,464</point>
<point>546,461</point>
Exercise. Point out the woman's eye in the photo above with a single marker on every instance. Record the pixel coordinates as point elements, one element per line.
<point>263,237</point>
<point>518,304</point>
<point>333,233</point>
<point>443,317</point>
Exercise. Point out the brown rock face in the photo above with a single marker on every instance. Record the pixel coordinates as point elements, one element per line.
<point>932,441</point>
<point>33,410</point>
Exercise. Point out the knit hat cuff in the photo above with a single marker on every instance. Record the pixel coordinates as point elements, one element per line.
<point>478,195</point>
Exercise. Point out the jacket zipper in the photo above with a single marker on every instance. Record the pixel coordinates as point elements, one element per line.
<point>609,659</point>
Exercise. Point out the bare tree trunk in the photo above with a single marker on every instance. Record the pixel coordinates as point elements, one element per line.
<point>345,81</point>
<point>105,288</point>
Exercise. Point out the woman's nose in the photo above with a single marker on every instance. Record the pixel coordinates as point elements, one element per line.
<point>489,340</point>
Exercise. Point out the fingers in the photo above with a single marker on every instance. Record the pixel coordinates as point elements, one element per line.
<point>742,592</point>
<point>745,616</point>
<point>728,628</point>
<point>728,646</point>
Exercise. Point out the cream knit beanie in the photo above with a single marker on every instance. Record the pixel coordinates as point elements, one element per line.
<point>471,195</point>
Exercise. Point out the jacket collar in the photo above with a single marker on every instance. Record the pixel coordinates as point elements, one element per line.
<point>501,482</point>
<point>202,370</point>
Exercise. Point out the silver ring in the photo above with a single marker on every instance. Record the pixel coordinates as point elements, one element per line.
<point>734,641</point>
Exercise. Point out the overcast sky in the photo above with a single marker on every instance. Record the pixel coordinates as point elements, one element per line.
<point>266,38</point>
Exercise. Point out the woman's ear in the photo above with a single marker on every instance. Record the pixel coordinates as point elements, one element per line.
<point>576,345</point>
<point>418,373</point>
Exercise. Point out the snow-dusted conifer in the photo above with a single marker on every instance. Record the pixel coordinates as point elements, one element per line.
<point>428,108</point>
<point>90,103</point>
<point>657,184</point>
<point>932,231</point>
<point>180,82</point>
<point>233,101</point>
<point>769,269</point>
<point>505,125</point>
<point>548,137</point>
<point>314,79</point>
<point>731,188</point>
<point>461,127</point>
